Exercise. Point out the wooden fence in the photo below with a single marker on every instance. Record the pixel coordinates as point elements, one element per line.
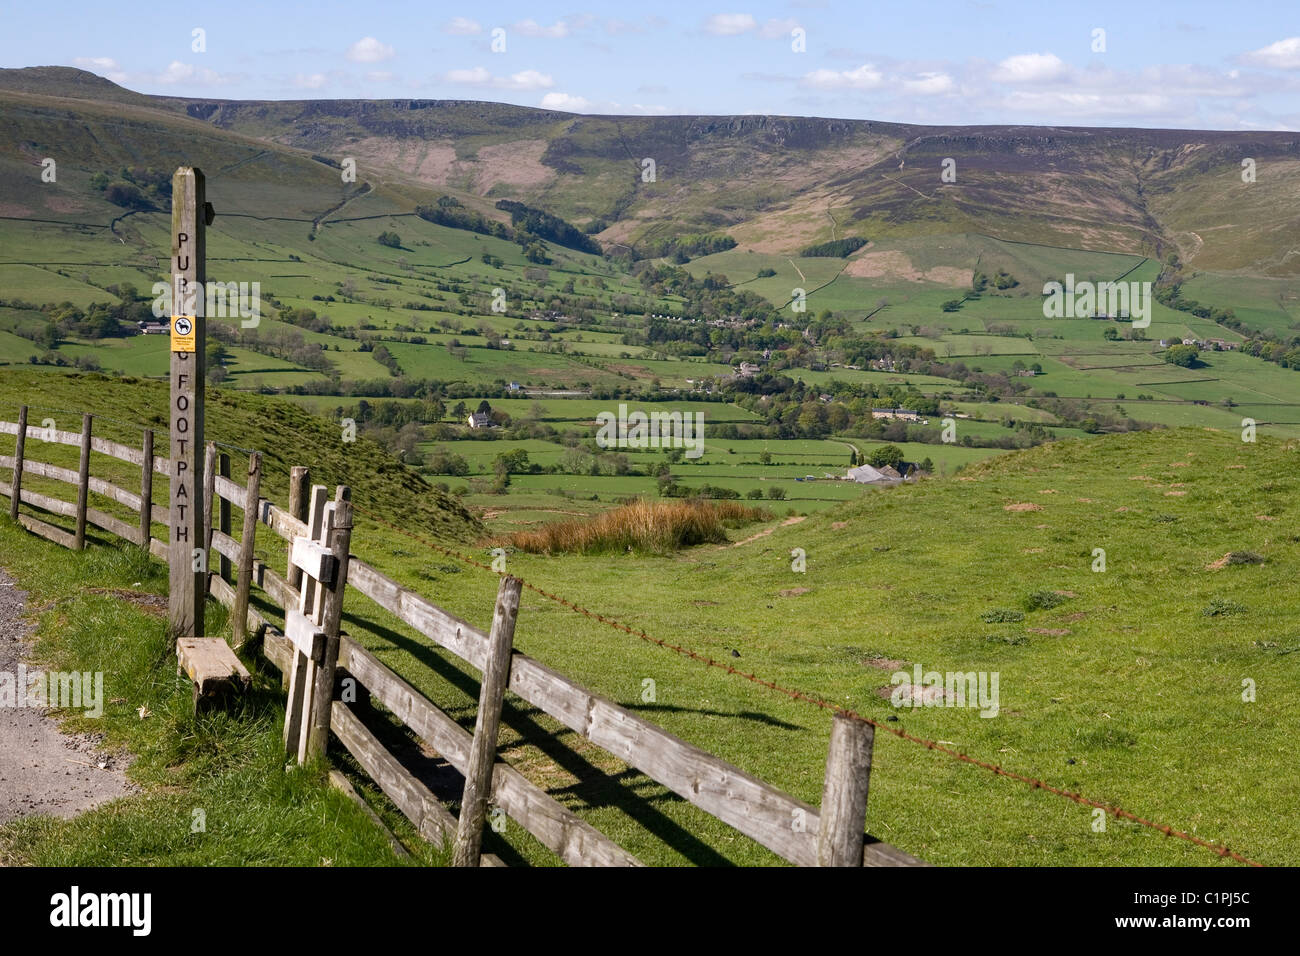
<point>796,831</point>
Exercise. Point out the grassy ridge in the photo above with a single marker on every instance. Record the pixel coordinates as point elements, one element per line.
<point>285,434</point>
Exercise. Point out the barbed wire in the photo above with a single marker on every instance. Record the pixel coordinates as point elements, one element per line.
<point>1033,782</point>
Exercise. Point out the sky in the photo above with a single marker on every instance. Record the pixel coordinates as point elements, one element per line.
<point>1190,64</point>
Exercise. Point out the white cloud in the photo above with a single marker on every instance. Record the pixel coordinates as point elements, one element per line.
<point>1089,105</point>
<point>369,50</point>
<point>105,66</point>
<point>569,103</point>
<point>865,77</point>
<point>529,80</point>
<point>566,102</point>
<point>481,76</point>
<point>929,84</point>
<point>178,72</point>
<point>730,24</point>
<point>462,26</point>
<point>105,63</point>
<point>312,81</point>
<point>531,28</point>
<point>1282,55</point>
<point>1030,68</point>
<point>379,76</point>
<point>773,29</point>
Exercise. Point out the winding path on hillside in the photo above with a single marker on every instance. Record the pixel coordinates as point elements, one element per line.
<point>43,771</point>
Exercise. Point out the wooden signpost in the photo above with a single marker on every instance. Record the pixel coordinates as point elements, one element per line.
<point>186,556</point>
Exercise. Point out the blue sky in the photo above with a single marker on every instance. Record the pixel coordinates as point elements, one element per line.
<point>1189,64</point>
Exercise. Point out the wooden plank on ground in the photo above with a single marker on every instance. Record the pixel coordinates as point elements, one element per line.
<point>572,839</point>
<point>342,784</point>
<point>37,526</point>
<point>432,820</point>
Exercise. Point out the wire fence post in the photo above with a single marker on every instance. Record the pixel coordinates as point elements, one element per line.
<point>83,482</point>
<point>223,516</point>
<point>239,612</point>
<point>16,486</point>
<point>842,828</point>
<point>146,489</point>
<point>483,748</point>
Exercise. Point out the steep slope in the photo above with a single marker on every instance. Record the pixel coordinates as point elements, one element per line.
<point>285,434</point>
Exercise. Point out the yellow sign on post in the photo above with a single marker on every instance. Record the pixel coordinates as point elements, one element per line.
<point>183,333</point>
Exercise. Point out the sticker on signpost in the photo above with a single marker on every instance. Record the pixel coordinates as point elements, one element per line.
<point>183,333</point>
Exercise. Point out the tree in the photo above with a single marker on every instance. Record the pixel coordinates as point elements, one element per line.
<point>1185,356</point>
<point>883,455</point>
<point>390,239</point>
<point>952,305</point>
<point>776,493</point>
<point>754,494</point>
<point>514,462</point>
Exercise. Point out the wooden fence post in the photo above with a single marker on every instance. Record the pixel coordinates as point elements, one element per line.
<point>483,748</point>
<point>299,489</point>
<point>17,484</point>
<point>146,491</point>
<point>339,540</point>
<point>223,515</point>
<point>844,794</point>
<point>83,483</point>
<point>209,494</point>
<point>239,611</point>
<point>302,670</point>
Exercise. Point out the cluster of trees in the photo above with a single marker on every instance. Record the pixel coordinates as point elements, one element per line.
<point>135,187</point>
<point>1185,356</point>
<point>1266,346</point>
<point>541,224</point>
<point>999,280</point>
<point>287,344</point>
<point>682,249</point>
<point>390,239</point>
<point>838,248</point>
<point>448,211</point>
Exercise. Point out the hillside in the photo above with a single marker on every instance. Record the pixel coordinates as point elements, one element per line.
<point>1124,684</point>
<point>776,184</point>
<point>284,434</point>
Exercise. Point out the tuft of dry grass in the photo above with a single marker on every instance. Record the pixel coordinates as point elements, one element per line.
<point>644,527</point>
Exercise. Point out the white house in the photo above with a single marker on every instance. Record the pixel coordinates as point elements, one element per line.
<point>480,420</point>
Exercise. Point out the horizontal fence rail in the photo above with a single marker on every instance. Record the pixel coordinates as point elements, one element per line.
<point>789,827</point>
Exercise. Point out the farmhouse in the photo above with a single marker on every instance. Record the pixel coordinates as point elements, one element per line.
<point>906,414</point>
<point>480,420</point>
<point>748,369</point>
<point>154,328</point>
<point>866,475</point>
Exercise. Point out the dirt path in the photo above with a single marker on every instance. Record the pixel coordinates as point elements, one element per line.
<point>43,771</point>
<point>793,519</point>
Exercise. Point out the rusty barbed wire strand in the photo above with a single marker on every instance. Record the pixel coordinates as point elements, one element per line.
<point>1033,782</point>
